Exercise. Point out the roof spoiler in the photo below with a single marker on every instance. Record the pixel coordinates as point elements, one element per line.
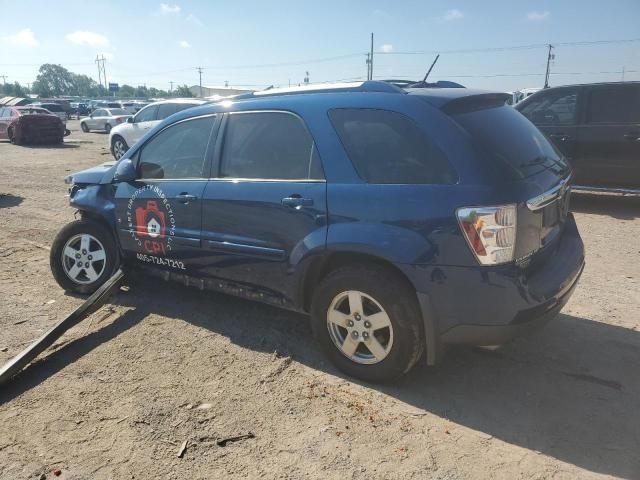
<point>475,102</point>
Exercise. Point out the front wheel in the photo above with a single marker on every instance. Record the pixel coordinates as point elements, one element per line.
<point>84,127</point>
<point>107,128</point>
<point>83,256</point>
<point>367,321</point>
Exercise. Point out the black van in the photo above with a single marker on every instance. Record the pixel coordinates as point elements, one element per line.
<point>597,128</point>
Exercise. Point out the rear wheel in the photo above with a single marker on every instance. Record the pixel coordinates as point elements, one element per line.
<point>107,128</point>
<point>83,256</point>
<point>367,321</point>
<point>84,127</point>
<point>118,147</point>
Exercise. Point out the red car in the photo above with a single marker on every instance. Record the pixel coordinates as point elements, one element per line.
<point>30,125</point>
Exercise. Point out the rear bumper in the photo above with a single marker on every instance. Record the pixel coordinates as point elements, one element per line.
<point>491,305</point>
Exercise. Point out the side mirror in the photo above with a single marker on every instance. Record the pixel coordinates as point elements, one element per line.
<point>130,120</point>
<point>125,171</point>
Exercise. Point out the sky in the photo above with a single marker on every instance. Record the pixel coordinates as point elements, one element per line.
<point>260,43</point>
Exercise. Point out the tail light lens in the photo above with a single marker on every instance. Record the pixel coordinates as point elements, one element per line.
<point>118,120</point>
<point>490,232</point>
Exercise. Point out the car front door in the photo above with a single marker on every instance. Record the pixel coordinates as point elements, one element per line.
<point>94,120</point>
<point>555,113</point>
<point>143,121</point>
<point>159,215</point>
<point>609,137</point>
<point>265,208</point>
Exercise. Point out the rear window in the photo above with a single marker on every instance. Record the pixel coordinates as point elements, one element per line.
<point>52,107</point>
<point>388,147</point>
<point>118,111</point>
<point>517,146</point>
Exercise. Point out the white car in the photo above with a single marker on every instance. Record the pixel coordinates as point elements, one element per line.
<point>104,119</point>
<point>125,135</point>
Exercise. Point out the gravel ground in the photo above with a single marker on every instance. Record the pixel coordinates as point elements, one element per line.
<point>118,395</point>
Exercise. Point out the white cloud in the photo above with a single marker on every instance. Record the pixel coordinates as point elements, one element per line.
<point>24,38</point>
<point>386,48</point>
<point>184,44</point>
<point>90,39</point>
<point>166,9</point>
<point>195,20</point>
<point>453,14</point>
<point>536,16</point>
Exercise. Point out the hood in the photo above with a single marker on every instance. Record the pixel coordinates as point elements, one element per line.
<point>95,175</point>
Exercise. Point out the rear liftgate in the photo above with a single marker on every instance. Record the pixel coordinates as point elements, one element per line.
<point>95,301</point>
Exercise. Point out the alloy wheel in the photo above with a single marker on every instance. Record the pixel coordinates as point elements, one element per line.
<point>118,149</point>
<point>359,327</point>
<point>84,258</point>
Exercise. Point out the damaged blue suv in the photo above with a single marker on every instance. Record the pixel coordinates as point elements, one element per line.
<point>400,220</point>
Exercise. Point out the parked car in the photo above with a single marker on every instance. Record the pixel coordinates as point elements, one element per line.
<point>597,128</point>
<point>125,135</point>
<point>400,220</point>
<point>28,124</point>
<point>80,109</point>
<point>104,119</point>
<point>54,108</point>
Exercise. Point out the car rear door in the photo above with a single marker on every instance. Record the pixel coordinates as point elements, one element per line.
<point>159,215</point>
<point>609,138</point>
<point>94,121</point>
<point>265,207</point>
<point>555,113</point>
<point>4,121</point>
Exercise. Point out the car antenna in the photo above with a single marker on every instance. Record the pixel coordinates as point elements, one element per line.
<point>424,80</point>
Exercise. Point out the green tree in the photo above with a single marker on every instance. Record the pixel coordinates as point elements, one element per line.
<point>84,86</point>
<point>53,80</point>
<point>126,91</point>
<point>13,90</point>
<point>183,91</point>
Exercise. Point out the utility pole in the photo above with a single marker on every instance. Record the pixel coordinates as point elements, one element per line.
<point>371,59</point>
<point>368,62</point>
<point>102,72</point>
<point>4,79</point>
<point>199,69</point>
<point>550,56</point>
<point>623,73</point>
<point>170,89</point>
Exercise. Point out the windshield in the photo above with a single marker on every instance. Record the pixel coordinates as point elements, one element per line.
<point>31,111</point>
<point>118,111</point>
<point>516,144</point>
<point>53,108</point>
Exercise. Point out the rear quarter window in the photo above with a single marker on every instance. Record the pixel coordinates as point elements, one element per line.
<point>514,144</point>
<point>387,147</point>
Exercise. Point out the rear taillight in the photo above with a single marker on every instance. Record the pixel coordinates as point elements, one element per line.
<point>118,120</point>
<point>490,232</point>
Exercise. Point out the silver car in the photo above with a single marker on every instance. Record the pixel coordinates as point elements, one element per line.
<point>104,119</point>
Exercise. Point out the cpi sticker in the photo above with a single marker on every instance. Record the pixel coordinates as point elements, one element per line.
<point>151,221</point>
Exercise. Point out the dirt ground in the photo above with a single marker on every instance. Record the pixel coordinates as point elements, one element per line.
<point>117,396</point>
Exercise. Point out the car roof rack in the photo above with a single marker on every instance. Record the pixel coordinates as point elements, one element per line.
<point>365,86</point>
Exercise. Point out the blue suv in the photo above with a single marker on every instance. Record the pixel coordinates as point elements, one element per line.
<point>400,220</point>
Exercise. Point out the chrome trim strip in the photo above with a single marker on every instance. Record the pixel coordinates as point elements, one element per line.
<point>588,189</point>
<point>548,197</point>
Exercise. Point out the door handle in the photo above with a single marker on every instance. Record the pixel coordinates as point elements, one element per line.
<point>633,136</point>
<point>563,137</point>
<point>296,201</point>
<point>185,197</point>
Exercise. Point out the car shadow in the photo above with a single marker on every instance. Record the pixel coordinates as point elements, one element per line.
<point>569,391</point>
<point>623,207</point>
<point>8,200</point>
<point>50,146</point>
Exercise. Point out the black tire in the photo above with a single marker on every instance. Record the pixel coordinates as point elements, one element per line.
<point>99,232</point>
<point>399,302</point>
<point>84,127</point>
<point>107,129</point>
<point>114,142</point>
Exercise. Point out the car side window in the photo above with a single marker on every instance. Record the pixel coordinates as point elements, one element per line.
<point>552,108</point>
<point>269,145</point>
<point>99,113</point>
<point>388,147</point>
<point>147,114</point>
<point>177,151</point>
<point>165,110</point>
<point>3,112</point>
<point>614,105</point>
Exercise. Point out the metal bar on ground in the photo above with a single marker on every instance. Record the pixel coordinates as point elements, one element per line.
<point>91,304</point>
<point>589,189</point>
